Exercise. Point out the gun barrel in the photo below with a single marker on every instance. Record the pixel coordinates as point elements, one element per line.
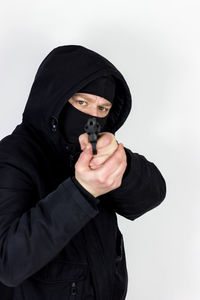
<point>92,128</point>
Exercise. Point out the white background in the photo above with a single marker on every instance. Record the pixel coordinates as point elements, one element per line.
<point>155,44</point>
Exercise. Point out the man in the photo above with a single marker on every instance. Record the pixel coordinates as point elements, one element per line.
<point>59,236</point>
<point>93,105</point>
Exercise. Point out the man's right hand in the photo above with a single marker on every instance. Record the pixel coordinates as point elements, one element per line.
<point>105,178</point>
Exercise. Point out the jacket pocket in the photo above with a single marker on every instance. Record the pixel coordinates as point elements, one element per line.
<point>120,275</point>
<point>60,271</point>
<point>57,280</point>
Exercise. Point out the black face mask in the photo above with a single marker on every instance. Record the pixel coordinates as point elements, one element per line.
<point>72,122</point>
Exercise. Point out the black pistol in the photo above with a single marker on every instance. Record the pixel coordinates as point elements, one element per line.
<point>92,128</point>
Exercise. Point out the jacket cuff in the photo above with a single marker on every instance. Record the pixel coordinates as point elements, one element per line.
<point>89,197</point>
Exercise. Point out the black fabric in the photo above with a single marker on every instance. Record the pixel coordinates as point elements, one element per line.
<point>56,243</point>
<point>103,87</point>
<point>93,200</point>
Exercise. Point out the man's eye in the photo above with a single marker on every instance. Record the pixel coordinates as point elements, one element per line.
<point>80,102</point>
<point>103,108</point>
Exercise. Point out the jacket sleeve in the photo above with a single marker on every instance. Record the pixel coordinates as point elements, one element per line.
<point>143,188</point>
<point>88,196</point>
<point>33,232</point>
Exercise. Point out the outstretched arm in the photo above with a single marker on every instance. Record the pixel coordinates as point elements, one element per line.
<point>142,185</point>
<point>143,188</point>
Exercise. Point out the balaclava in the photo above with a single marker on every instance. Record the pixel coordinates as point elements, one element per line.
<point>72,120</point>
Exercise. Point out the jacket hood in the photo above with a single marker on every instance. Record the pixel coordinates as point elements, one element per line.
<point>63,72</point>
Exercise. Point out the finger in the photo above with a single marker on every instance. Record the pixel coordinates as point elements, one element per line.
<point>96,161</point>
<point>105,138</point>
<point>112,163</point>
<point>116,176</point>
<point>115,181</point>
<point>84,158</point>
<point>94,167</point>
<point>99,159</point>
<point>83,140</point>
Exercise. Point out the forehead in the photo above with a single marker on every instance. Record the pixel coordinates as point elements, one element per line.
<point>93,98</point>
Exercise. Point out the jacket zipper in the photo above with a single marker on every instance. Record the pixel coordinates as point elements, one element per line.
<point>73,291</point>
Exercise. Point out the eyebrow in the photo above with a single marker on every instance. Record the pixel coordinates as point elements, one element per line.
<point>87,98</point>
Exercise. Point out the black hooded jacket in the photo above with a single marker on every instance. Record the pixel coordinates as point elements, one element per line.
<point>57,241</point>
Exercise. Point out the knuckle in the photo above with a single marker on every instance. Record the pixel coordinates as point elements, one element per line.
<point>80,138</point>
<point>100,179</point>
<point>115,185</point>
<point>119,158</point>
<point>77,166</point>
<point>109,182</point>
<point>119,182</point>
<point>106,182</point>
<point>125,163</point>
<point>116,157</point>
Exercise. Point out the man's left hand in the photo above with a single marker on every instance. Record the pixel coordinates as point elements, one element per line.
<point>106,146</point>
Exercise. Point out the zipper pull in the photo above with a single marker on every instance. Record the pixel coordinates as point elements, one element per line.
<point>73,289</point>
